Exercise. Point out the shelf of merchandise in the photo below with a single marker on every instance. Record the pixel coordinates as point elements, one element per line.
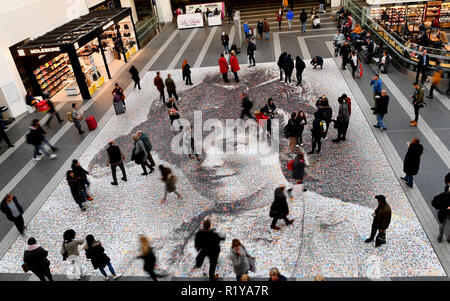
<point>49,65</point>
<point>432,12</point>
<point>51,75</point>
<point>444,18</point>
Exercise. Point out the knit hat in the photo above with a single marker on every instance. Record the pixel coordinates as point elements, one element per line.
<point>381,198</point>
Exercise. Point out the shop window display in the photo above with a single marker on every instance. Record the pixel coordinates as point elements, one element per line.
<point>92,66</point>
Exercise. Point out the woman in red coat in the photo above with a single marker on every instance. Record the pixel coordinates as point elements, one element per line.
<point>234,64</point>
<point>223,64</point>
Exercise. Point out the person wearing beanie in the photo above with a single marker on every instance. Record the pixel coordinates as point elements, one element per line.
<point>381,221</point>
<point>35,260</point>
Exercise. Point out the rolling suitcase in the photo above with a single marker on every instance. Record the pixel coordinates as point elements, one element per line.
<point>91,123</point>
<point>118,107</point>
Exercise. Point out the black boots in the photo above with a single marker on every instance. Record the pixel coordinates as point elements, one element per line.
<point>381,239</point>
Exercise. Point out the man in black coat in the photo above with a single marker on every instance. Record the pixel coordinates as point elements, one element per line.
<point>52,111</point>
<point>381,109</point>
<point>381,220</point>
<point>442,203</point>
<point>412,160</point>
<point>303,19</point>
<point>280,64</point>
<point>35,257</point>
<point>422,66</point>
<point>288,68</point>
<point>3,134</point>
<point>115,158</point>
<point>13,211</point>
<point>251,53</point>
<point>279,208</point>
<point>207,242</point>
<point>35,137</point>
<point>135,76</point>
<point>345,54</point>
<point>299,67</point>
<point>246,106</point>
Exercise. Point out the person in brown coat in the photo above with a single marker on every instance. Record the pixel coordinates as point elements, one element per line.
<point>160,86</point>
<point>171,88</point>
<point>381,221</point>
<point>266,29</point>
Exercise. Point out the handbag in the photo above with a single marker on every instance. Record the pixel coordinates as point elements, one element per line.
<point>122,96</point>
<point>25,267</point>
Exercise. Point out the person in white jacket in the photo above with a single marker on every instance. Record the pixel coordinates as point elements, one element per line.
<point>189,142</point>
<point>70,252</point>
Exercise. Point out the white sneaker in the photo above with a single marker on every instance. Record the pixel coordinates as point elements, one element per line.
<point>117,276</point>
<point>53,156</point>
<point>105,277</point>
<point>38,158</point>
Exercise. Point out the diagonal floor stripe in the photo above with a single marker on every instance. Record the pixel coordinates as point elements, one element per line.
<point>205,47</point>
<point>182,49</point>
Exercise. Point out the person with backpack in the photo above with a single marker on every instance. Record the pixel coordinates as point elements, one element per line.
<point>81,175</point>
<point>288,68</point>
<point>280,64</point>
<point>266,29</point>
<point>35,137</point>
<point>279,16</point>
<point>279,208</point>
<point>251,53</point>
<point>148,147</point>
<point>70,252</point>
<point>96,253</point>
<point>207,243</point>
<point>412,161</point>
<point>381,220</point>
<point>290,17</point>
<point>342,120</point>
<point>234,65</point>
<point>327,113</point>
<point>441,202</point>
<point>417,103</point>
<point>77,117</point>
<point>317,131</point>
<point>303,19</point>
<point>35,260</point>
<point>158,82</point>
<point>223,67</point>
<point>299,68</point>
<point>170,181</point>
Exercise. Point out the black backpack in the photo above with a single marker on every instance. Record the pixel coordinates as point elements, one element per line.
<point>439,201</point>
<point>29,138</point>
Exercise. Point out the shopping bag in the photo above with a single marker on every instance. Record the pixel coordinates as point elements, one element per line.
<point>252,264</point>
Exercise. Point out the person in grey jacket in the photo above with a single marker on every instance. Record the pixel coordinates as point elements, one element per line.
<point>148,147</point>
<point>239,255</point>
<point>140,155</point>
<point>342,120</point>
<point>69,251</point>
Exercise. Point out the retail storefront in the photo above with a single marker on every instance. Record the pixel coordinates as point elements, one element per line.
<point>79,57</point>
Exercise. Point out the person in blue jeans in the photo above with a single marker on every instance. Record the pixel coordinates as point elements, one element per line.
<point>35,137</point>
<point>290,16</point>
<point>377,87</point>
<point>412,161</point>
<point>246,30</point>
<point>96,253</point>
<point>381,109</point>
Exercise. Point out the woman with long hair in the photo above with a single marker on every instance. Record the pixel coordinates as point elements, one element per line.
<point>96,253</point>
<point>148,256</point>
<point>238,255</point>
<point>186,71</point>
<point>69,251</point>
<point>76,188</point>
<point>169,180</point>
<point>301,121</point>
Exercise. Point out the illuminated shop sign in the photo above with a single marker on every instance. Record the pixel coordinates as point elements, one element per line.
<point>36,51</point>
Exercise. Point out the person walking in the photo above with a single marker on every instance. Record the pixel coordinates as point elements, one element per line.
<point>251,47</point>
<point>260,28</point>
<point>172,110</point>
<point>289,17</point>
<point>186,70</point>
<point>303,19</point>
<point>158,82</point>
<point>279,16</point>
<point>135,77</point>
<point>322,6</point>
<point>96,253</point>
<point>381,110</point>
<point>170,181</point>
<point>230,12</point>
<point>279,208</point>
<point>441,202</point>
<point>35,137</point>
<point>223,67</point>
<point>292,133</point>
<point>275,275</point>
<point>115,158</point>
<point>189,142</point>
<point>377,87</point>
<point>280,64</point>
<point>148,148</point>
<point>52,111</point>
<point>353,63</point>
<point>345,54</point>
<point>35,260</point>
<point>266,29</point>
<point>301,122</point>
<point>412,161</point>
<point>77,117</point>
<point>247,105</point>
<point>417,103</point>
<point>13,211</point>
<point>338,40</point>
<point>139,155</point>
<point>269,111</point>
<point>342,121</point>
<point>148,257</point>
<point>326,111</point>
<point>300,66</point>
<point>297,166</point>
<point>317,131</point>
<point>246,30</point>
<point>225,39</point>
<point>3,135</point>
<point>70,252</point>
<point>234,65</point>
<point>119,91</point>
<point>288,68</point>
<point>171,88</point>
<point>239,258</point>
<point>81,175</point>
<point>422,66</point>
<point>76,189</point>
<point>436,80</point>
<point>381,221</point>
<point>207,243</point>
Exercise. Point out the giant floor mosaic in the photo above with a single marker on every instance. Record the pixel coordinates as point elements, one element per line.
<point>332,219</point>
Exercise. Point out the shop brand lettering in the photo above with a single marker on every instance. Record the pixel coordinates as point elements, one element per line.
<point>191,22</point>
<point>45,50</point>
<point>201,291</point>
